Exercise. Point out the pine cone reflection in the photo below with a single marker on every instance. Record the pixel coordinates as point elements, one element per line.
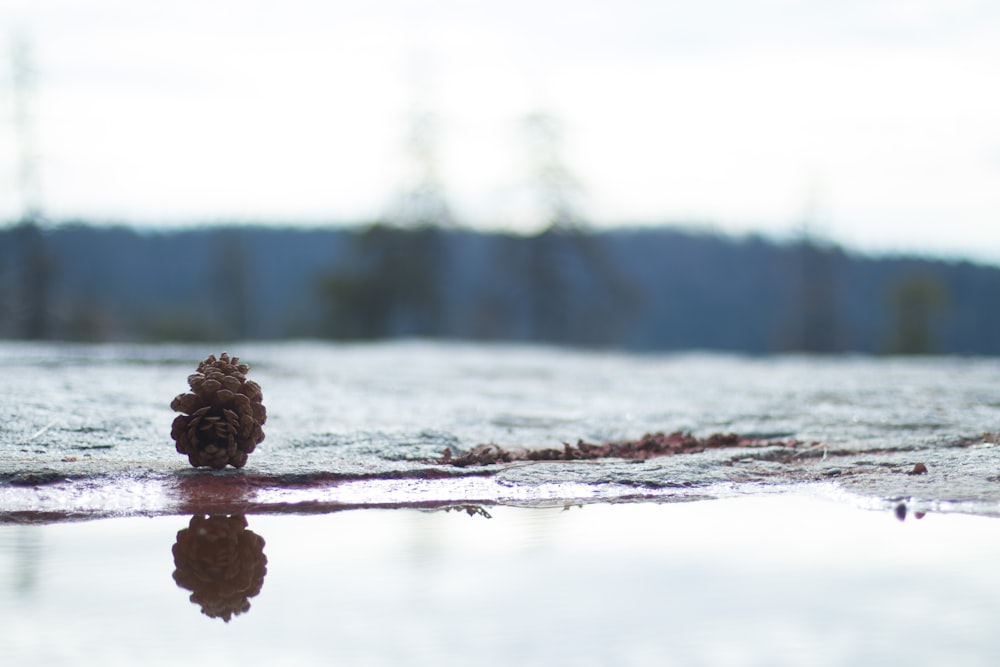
<point>221,563</point>
<point>223,414</point>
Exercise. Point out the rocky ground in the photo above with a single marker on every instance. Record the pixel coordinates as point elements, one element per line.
<point>85,430</point>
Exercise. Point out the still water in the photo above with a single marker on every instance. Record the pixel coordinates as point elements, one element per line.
<point>767,579</point>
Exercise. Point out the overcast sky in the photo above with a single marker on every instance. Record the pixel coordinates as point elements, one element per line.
<point>876,121</point>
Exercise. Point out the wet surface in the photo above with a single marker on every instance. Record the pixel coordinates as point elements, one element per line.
<point>767,579</point>
<point>85,430</point>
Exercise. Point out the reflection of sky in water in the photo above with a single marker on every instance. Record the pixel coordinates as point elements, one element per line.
<point>762,580</point>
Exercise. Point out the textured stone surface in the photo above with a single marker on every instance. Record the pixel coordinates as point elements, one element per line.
<point>85,430</point>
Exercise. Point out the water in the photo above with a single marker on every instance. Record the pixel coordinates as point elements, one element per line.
<point>761,580</point>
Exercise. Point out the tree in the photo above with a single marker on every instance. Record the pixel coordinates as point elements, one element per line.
<point>915,302</point>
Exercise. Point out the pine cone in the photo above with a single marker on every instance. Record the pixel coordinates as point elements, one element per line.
<point>221,563</point>
<point>223,414</point>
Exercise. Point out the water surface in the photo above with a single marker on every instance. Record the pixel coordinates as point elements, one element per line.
<point>775,579</point>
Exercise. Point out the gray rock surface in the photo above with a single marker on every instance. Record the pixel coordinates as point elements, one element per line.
<point>85,429</point>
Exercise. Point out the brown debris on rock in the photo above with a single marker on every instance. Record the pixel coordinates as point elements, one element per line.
<point>649,446</point>
<point>221,563</point>
<point>223,414</point>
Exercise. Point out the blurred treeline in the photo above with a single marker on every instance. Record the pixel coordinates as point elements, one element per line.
<point>642,289</point>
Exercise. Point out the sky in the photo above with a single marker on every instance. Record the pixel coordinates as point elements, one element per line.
<point>871,123</point>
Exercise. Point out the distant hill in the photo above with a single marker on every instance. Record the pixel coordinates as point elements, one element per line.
<point>640,289</point>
